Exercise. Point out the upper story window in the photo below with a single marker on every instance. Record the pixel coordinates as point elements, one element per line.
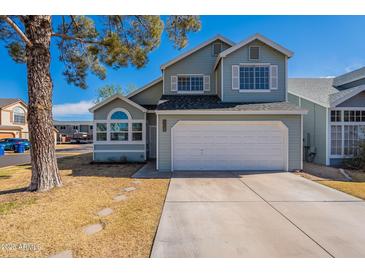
<point>190,83</point>
<point>352,116</point>
<point>216,48</point>
<point>254,53</point>
<point>254,77</point>
<point>62,127</point>
<point>76,127</point>
<point>19,115</point>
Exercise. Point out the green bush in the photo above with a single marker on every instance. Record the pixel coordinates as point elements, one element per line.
<point>358,161</point>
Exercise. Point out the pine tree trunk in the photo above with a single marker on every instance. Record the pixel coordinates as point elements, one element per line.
<point>45,174</point>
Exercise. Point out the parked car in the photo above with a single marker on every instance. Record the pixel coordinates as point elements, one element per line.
<point>11,142</point>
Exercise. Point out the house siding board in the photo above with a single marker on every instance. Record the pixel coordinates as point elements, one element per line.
<point>355,101</point>
<point>314,129</point>
<point>200,62</point>
<point>293,99</point>
<point>149,96</point>
<point>267,55</point>
<point>102,112</point>
<point>291,121</point>
<point>118,156</point>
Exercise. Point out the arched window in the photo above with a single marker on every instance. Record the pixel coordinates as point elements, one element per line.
<point>119,115</point>
<point>19,115</point>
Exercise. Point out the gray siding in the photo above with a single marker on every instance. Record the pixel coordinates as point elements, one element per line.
<point>102,113</point>
<point>293,99</point>
<point>314,127</point>
<point>119,156</point>
<point>291,121</point>
<point>149,96</point>
<point>200,62</point>
<point>118,147</point>
<point>356,101</point>
<point>268,55</point>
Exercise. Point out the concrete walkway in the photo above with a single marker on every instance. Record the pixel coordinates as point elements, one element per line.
<point>226,214</point>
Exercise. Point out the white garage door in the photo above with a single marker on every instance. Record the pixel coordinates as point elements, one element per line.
<point>229,145</point>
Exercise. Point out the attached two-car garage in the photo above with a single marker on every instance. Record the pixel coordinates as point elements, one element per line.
<point>229,145</point>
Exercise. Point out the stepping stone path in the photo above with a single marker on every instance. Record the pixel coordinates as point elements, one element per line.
<point>120,198</point>
<point>105,212</point>
<point>128,189</point>
<point>92,229</point>
<point>63,254</point>
<point>137,182</point>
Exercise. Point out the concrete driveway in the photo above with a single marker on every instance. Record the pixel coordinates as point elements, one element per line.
<point>228,214</point>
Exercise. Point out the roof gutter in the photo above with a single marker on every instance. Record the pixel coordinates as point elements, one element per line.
<point>230,112</point>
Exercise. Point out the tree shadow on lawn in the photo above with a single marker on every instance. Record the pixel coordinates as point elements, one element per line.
<point>82,165</point>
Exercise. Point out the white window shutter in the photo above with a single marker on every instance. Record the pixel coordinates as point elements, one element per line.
<point>173,83</point>
<point>274,77</point>
<point>235,77</point>
<point>206,83</point>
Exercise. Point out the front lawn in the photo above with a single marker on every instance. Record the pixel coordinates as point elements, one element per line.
<point>53,221</point>
<point>333,178</point>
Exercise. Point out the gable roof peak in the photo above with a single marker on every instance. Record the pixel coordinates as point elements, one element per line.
<point>198,47</point>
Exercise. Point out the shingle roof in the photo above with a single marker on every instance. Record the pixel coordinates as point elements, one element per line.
<point>8,101</point>
<point>349,77</point>
<point>319,90</point>
<point>212,102</point>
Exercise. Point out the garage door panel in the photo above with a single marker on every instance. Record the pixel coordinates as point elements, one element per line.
<point>227,146</point>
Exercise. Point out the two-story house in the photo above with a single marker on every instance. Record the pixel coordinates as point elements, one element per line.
<point>219,106</point>
<point>13,118</point>
<point>70,129</point>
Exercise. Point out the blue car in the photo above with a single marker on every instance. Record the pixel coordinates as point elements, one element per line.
<point>11,142</point>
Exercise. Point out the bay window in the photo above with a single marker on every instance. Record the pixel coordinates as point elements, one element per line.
<point>347,131</point>
<point>119,128</point>
<point>101,132</point>
<point>118,131</point>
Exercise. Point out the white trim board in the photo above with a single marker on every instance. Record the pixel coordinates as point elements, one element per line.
<point>117,96</point>
<point>186,54</point>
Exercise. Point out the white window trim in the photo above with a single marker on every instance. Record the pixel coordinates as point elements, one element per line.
<point>253,90</point>
<point>249,53</point>
<point>23,113</point>
<point>189,91</point>
<point>342,124</point>
<point>129,121</point>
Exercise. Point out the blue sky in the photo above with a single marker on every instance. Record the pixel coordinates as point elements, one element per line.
<point>322,45</point>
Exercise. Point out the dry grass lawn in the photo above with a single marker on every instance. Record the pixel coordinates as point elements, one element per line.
<point>331,177</point>
<point>53,221</point>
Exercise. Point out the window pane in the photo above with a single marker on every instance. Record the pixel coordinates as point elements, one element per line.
<point>101,127</point>
<point>137,126</point>
<point>254,53</point>
<point>346,116</point>
<point>254,77</point>
<point>197,83</point>
<point>101,136</point>
<point>137,136</point>
<point>183,83</point>
<point>119,115</point>
<point>336,140</point>
<point>119,136</point>
<point>119,127</point>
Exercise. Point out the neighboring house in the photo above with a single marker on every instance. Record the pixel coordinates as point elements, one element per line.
<point>336,119</point>
<point>13,118</point>
<point>69,128</point>
<point>219,106</point>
